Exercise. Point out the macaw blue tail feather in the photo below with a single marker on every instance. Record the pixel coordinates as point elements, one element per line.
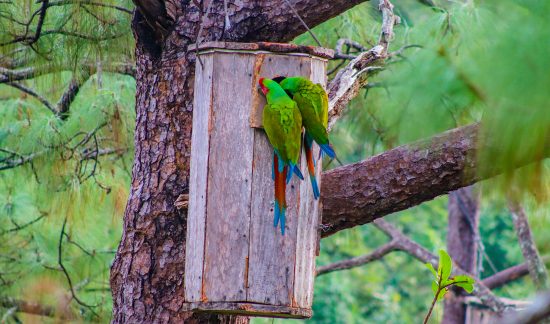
<point>279,217</point>
<point>315,187</point>
<point>277,214</point>
<point>328,150</point>
<point>294,170</point>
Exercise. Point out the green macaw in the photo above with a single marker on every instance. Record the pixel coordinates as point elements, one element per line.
<point>283,125</point>
<point>312,100</point>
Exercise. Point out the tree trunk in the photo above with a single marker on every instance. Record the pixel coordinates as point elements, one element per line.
<point>148,270</point>
<point>462,245</point>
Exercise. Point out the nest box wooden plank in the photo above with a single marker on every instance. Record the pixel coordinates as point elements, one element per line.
<point>237,262</point>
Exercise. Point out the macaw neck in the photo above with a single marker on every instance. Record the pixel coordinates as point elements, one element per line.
<point>292,84</point>
<point>275,93</point>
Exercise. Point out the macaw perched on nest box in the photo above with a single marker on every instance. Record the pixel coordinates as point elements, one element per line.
<point>283,125</point>
<point>312,100</point>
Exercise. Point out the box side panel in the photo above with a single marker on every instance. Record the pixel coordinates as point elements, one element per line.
<point>229,179</point>
<point>309,219</point>
<point>272,255</point>
<point>196,215</point>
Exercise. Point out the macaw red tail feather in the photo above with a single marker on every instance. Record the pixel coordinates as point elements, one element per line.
<point>280,198</point>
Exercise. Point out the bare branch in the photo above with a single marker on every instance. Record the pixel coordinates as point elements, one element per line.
<point>69,95</point>
<point>358,261</point>
<point>505,276</point>
<point>348,81</point>
<point>339,51</point>
<point>9,75</point>
<point>534,262</point>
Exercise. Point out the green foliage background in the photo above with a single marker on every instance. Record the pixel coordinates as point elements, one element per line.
<point>479,61</point>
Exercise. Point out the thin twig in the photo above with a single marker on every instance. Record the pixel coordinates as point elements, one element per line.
<point>303,23</point>
<point>21,227</point>
<point>66,273</point>
<point>358,261</point>
<point>33,93</point>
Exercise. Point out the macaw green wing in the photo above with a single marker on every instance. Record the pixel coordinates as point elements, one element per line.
<point>310,104</point>
<point>323,104</point>
<point>283,126</point>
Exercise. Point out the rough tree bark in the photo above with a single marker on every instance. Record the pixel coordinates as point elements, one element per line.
<point>462,245</point>
<point>147,273</point>
<point>404,177</point>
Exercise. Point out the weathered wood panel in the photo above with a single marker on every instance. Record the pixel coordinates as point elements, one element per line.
<point>307,240</point>
<point>251,309</point>
<point>272,255</point>
<point>229,180</point>
<point>238,262</point>
<point>199,170</point>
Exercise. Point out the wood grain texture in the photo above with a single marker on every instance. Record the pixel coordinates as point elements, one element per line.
<point>196,221</point>
<point>229,180</point>
<point>288,48</point>
<point>246,259</point>
<point>260,310</point>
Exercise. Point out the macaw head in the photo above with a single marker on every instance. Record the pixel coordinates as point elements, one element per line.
<point>263,86</point>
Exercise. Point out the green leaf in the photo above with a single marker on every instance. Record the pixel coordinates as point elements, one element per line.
<point>435,287</point>
<point>431,267</point>
<point>447,282</point>
<point>465,282</point>
<point>442,294</point>
<point>445,265</point>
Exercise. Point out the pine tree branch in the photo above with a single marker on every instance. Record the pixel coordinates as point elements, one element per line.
<point>9,75</point>
<point>33,93</point>
<point>64,104</point>
<point>406,176</point>
<point>29,40</point>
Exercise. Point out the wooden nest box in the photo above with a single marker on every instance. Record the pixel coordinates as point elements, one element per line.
<point>237,262</point>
